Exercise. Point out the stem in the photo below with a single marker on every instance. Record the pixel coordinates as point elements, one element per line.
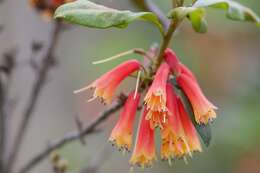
<point>167,37</point>
<point>166,42</point>
<point>40,81</point>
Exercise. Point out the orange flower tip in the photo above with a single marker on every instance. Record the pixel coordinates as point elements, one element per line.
<point>156,101</point>
<point>142,160</point>
<point>157,119</point>
<point>210,116</point>
<point>155,98</point>
<point>121,146</point>
<point>174,147</point>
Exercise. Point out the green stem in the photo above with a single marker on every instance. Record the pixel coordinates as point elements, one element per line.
<point>168,36</point>
<point>166,41</point>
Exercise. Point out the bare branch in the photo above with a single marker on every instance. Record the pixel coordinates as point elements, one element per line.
<point>42,73</point>
<point>6,69</point>
<point>2,125</point>
<point>74,136</point>
<point>148,5</point>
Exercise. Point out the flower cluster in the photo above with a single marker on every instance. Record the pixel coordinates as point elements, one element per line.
<point>47,7</point>
<point>163,108</point>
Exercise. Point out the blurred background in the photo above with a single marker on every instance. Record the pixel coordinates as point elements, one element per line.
<point>226,61</point>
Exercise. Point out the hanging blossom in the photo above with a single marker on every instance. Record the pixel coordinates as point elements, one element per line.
<point>144,152</point>
<point>174,143</point>
<point>106,85</point>
<point>202,107</point>
<point>163,108</point>
<point>189,129</point>
<point>122,133</point>
<point>155,98</point>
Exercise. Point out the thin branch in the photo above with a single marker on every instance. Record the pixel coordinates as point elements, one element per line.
<point>42,73</point>
<point>74,136</point>
<point>6,71</point>
<point>148,5</point>
<point>2,126</point>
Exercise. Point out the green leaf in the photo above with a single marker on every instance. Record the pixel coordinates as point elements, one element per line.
<point>204,130</point>
<point>195,15</point>
<point>86,13</point>
<point>234,10</point>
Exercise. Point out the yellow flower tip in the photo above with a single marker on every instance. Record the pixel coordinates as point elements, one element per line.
<point>156,101</point>
<point>209,116</point>
<point>157,119</point>
<point>195,146</point>
<point>123,142</point>
<point>175,149</point>
<point>173,145</point>
<point>143,160</point>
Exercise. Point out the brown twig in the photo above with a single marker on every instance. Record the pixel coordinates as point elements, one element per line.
<point>6,69</point>
<point>2,125</point>
<point>74,136</point>
<point>42,73</point>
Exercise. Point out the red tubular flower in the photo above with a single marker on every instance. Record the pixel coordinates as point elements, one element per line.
<point>155,98</point>
<point>174,143</point>
<point>172,60</point>
<point>106,85</point>
<point>144,152</point>
<point>202,107</point>
<point>185,70</point>
<point>122,133</point>
<point>189,129</point>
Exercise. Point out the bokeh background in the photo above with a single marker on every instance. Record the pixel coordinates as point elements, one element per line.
<point>226,61</point>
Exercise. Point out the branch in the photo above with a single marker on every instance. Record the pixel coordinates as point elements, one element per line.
<point>2,125</point>
<point>6,69</point>
<point>71,137</point>
<point>148,5</point>
<point>42,73</point>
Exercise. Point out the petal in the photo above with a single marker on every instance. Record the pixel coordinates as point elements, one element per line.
<point>202,107</point>
<point>122,133</point>
<point>144,151</point>
<point>155,98</point>
<point>106,85</point>
<point>189,129</point>
<point>172,60</point>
